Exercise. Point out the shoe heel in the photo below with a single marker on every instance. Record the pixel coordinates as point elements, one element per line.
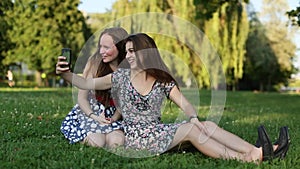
<point>283,143</point>
<point>284,152</point>
<point>267,147</point>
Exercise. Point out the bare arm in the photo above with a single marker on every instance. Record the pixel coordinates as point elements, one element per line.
<point>177,97</point>
<point>83,101</point>
<point>85,106</point>
<point>117,115</point>
<point>100,83</point>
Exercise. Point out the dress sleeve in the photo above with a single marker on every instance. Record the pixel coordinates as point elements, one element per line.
<point>117,78</point>
<point>115,85</point>
<point>114,79</point>
<point>169,87</point>
<point>116,82</point>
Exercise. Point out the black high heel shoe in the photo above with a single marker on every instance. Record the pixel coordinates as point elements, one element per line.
<point>283,143</point>
<point>267,147</point>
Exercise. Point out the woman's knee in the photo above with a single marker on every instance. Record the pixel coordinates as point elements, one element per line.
<point>192,131</point>
<point>95,140</point>
<point>210,124</point>
<point>115,138</point>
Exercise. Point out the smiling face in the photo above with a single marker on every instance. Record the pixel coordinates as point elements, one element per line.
<point>131,55</point>
<point>108,50</point>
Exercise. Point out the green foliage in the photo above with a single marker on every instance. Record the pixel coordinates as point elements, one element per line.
<point>279,35</point>
<point>206,9</point>
<point>30,135</point>
<point>294,83</point>
<point>233,30</point>
<point>34,31</point>
<point>228,29</point>
<point>294,15</point>
<point>40,28</point>
<point>270,50</point>
<point>5,42</point>
<point>97,20</point>
<point>260,58</point>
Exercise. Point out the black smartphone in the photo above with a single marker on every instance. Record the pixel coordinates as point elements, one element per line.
<point>67,52</point>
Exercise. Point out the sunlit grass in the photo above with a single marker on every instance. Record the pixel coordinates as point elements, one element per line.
<point>30,135</point>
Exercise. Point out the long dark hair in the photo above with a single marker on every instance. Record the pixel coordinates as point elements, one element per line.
<point>148,57</point>
<point>118,35</point>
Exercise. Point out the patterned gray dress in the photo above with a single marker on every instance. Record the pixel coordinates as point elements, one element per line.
<point>141,114</point>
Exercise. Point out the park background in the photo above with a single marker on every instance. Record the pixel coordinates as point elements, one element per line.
<point>258,49</point>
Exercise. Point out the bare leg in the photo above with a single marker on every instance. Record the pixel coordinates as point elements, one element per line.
<point>114,139</point>
<point>215,148</point>
<point>226,138</point>
<point>229,139</point>
<point>95,140</point>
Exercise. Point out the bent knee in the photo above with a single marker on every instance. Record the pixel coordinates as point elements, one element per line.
<point>95,140</point>
<point>114,139</point>
<point>210,124</point>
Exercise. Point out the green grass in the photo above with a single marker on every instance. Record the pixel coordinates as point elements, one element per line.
<point>30,135</point>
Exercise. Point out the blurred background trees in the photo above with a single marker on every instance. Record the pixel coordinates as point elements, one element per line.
<point>270,49</point>
<point>37,30</point>
<point>5,41</point>
<point>294,15</point>
<point>256,55</point>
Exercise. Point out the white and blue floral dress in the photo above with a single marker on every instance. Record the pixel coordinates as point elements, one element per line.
<point>77,125</point>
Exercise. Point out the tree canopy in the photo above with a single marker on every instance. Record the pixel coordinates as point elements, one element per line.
<point>40,28</point>
<point>254,54</point>
<point>294,15</point>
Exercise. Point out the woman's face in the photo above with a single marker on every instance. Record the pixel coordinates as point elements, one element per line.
<point>130,55</point>
<point>108,50</point>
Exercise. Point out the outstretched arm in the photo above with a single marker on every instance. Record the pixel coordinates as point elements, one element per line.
<point>100,83</point>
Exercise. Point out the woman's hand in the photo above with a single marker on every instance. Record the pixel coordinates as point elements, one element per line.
<point>101,119</point>
<point>59,65</point>
<point>199,125</point>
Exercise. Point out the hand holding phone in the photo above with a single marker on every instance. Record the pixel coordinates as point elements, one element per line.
<point>67,52</point>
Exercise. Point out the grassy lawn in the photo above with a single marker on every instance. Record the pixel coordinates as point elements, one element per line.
<point>30,135</point>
